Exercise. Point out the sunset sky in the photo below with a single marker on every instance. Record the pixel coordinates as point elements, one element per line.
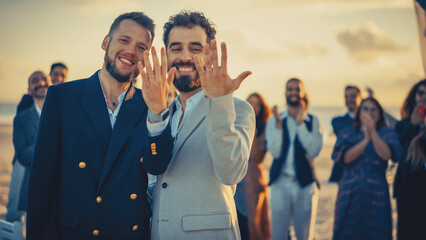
<point>326,43</point>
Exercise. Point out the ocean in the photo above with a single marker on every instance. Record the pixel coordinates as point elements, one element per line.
<point>324,114</point>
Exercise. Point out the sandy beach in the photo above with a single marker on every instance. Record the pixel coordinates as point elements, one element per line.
<point>323,164</point>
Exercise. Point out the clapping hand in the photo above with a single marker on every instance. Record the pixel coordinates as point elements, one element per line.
<point>302,109</point>
<point>156,82</point>
<point>277,116</point>
<point>367,125</point>
<point>215,79</point>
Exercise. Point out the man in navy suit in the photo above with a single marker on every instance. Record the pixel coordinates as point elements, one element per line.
<point>92,154</point>
<point>25,126</point>
<point>352,102</point>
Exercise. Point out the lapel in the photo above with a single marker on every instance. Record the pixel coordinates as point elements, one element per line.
<point>190,124</point>
<point>93,102</point>
<point>130,114</point>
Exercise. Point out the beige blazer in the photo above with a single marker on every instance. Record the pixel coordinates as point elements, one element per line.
<point>193,199</point>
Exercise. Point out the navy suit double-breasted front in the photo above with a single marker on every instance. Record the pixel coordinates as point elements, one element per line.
<point>88,180</point>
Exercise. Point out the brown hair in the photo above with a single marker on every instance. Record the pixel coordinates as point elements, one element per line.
<point>264,113</point>
<point>416,155</point>
<point>381,123</point>
<point>410,101</point>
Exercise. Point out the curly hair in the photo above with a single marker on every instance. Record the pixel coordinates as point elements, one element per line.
<point>410,101</point>
<point>263,115</point>
<point>189,19</point>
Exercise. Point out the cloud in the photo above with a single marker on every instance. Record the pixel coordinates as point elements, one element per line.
<point>276,50</point>
<point>367,42</point>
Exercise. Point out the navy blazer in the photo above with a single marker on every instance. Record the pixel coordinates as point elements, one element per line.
<point>338,124</point>
<point>25,127</point>
<point>88,181</point>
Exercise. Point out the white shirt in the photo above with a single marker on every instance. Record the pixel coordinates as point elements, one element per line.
<point>38,109</point>
<point>113,115</point>
<point>156,129</point>
<point>311,141</point>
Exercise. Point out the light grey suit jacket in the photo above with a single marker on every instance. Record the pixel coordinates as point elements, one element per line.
<point>193,199</point>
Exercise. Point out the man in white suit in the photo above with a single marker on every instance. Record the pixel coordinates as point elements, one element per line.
<point>213,133</point>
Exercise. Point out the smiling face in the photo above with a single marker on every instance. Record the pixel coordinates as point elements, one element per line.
<point>294,92</point>
<point>38,84</point>
<point>352,99</point>
<point>184,44</point>
<point>124,49</point>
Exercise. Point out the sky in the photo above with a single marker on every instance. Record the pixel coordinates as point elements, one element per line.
<point>325,43</point>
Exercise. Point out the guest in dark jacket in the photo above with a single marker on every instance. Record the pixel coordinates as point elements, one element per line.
<point>407,129</point>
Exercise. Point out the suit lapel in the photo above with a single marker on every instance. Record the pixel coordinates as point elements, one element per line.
<point>93,102</point>
<point>190,124</point>
<point>129,115</point>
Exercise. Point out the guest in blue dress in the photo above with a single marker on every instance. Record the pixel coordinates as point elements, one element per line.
<point>363,208</point>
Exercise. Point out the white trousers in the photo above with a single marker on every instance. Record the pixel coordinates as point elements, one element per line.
<point>289,202</point>
<point>16,177</point>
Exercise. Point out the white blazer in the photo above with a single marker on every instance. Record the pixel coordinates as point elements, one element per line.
<point>194,198</point>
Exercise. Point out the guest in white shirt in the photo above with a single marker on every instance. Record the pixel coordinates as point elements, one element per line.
<point>294,139</point>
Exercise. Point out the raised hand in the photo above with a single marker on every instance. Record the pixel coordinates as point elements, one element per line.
<point>277,116</point>
<point>215,79</point>
<point>367,125</point>
<point>156,82</point>
<point>302,109</point>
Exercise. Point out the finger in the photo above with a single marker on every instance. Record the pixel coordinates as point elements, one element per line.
<point>156,63</point>
<point>145,81</point>
<point>213,46</point>
<point>224,60</point>
<point>199,68</point>
<point>207,56</point>
<point>148,66</point>
<point>237,82</point>
<point>164,64</point>
<point>171,76</point>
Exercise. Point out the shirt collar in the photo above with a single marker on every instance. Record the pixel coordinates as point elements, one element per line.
<point>352,115</point>
<point>192,101</point>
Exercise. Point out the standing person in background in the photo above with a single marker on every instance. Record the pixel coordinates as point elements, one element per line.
<point>363,204</point>
<point>352,102</point>
<point>411,192</point>
<point>389,119</point>
<point>58,74</point>
<point>407,129</point>
<point>294,139</point>
<point>25,127</point>
<point>250,198</point>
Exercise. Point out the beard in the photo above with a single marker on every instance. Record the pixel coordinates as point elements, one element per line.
<point>39,92</point>
<point>186,83</point>
<point>293,103</point>
<point>111,67</point>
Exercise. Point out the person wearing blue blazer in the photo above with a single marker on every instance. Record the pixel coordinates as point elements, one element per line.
<point>89,173</point>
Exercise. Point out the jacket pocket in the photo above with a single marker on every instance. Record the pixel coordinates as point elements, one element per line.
<point>68,220</point>
<point>216,221</point>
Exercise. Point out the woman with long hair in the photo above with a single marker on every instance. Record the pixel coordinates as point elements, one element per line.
<point>363,204</point>
<point>412,190</point>
<point>251,192</point>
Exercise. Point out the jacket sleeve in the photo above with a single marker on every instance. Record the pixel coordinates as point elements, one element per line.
<point>158,152</point>
<point>44,177</point>
<point>24,150</point>
<point>230,131</point>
